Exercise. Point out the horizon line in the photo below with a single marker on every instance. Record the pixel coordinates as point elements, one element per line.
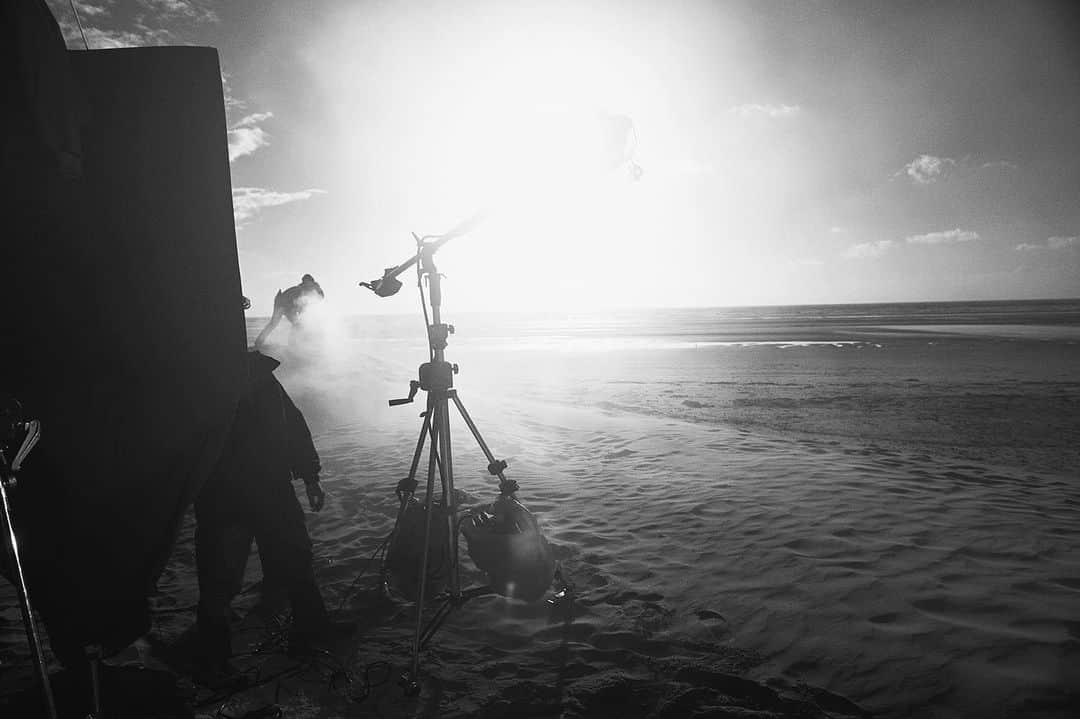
<point>628,308</point>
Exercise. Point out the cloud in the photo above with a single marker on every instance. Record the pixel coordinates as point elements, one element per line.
<point>770,111</point>
<point>107,24</point>
<point>1060,243</point>
<point>231,101</point>
<point>945,237</point>
<point>925,169</point>
<point>248,201</point>
<point>877,249</point>
<point>245,137</point>
<point>89,8</point>
<point>158,22</point>
<point>869,249</point>
<point>109,39</point>
<point>1052,243</point>
<point>188,9</point>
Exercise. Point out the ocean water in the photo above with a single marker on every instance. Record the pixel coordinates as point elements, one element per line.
<point>703,326</point>
<point>983,380</point>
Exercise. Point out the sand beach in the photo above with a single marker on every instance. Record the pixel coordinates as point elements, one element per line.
<point>767,514</point>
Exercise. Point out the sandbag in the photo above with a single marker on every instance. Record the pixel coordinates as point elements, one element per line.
<point>505,541</point>
<point>406,551</point>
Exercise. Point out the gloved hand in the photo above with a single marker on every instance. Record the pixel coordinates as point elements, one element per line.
<point>315,495</point>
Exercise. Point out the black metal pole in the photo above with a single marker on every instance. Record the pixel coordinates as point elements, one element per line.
<point>427,264</point>
<point>435,411</point>
<point>32,637</point>
<point>429,243</point>
<point>436,379</point>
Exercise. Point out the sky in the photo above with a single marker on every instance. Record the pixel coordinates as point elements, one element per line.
<point>792,152</point>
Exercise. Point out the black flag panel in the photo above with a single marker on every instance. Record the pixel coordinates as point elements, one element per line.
<point>123,328</point>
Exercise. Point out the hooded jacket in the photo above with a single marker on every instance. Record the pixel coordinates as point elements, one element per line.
<point>270,440</point>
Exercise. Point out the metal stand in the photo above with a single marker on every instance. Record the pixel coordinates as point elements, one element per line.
<point>8,472</point>
<point>436,379</point>
<point>94,653</point>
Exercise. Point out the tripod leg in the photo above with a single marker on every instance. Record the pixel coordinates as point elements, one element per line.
<point>24,599</point>
<point>424,429</point>
<point>93,657</point>
<point>449,502</point>
<point>407,486</point>
<point>476,433</point>
<point>435,415</point>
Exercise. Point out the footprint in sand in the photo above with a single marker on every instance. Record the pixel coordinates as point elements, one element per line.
<point>620,598</point>
<point>887,618</point>
<point>709,615</point>
<point>1067,582</point>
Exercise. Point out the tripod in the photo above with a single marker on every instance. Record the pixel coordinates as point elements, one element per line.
<point>436,378</point>
<point>8,472</point>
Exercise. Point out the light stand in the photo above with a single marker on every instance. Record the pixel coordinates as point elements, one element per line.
<point>436,379</point>
<point>8,472</point>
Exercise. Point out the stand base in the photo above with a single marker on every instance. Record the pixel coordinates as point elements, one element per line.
<point>409,679</point>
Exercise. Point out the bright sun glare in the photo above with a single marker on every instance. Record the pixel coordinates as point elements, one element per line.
<point>549,170</point>
<point>535,118</point>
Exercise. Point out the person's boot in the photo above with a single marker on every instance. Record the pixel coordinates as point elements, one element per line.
<point>213,650</point>
<point>312,628</point>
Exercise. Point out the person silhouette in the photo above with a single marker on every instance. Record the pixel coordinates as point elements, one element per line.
<point>291,304</point>
<point>250,495</point>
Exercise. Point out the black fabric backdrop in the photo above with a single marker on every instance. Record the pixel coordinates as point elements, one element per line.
<point>123,330</point>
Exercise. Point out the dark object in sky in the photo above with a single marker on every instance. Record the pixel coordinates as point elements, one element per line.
<point>122,330</point>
